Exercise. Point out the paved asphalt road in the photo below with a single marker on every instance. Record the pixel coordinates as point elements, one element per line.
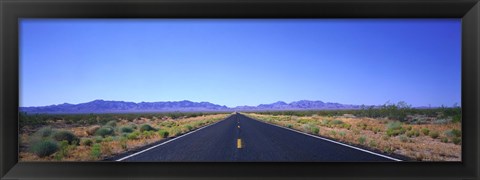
<point>259,142</point>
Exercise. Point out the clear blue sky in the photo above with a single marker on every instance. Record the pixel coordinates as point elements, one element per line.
<point>241,62</point>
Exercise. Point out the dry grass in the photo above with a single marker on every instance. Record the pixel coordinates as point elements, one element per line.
<point>421,148</point>
<point>114,145</point>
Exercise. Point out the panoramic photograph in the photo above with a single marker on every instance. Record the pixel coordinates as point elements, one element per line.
<point>240,90</point>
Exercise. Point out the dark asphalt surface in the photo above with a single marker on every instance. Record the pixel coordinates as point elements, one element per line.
<point>260,142</point>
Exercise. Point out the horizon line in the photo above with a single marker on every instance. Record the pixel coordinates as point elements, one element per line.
<point>387,102</point>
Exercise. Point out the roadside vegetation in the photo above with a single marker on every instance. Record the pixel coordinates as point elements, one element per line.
<point>420,134</point>
<point>91,137</point>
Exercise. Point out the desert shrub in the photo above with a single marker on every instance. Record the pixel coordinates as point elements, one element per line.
<point>111,123</point>
<point>395,128</point>
<point>394,125</point>
<point>146,127</point>
<point>413,133</point>
<point>347,126</point>
<point>62,150</point>
<point>325,122</point>
<point>289,126</point>
<point>105,131</point>
<point>86,142</point>
<point>189,127</point>
<point>44,132</point>
<point>403,138</point>
<point>333,133</point>
<point>43,148</point>
<point>342,134</point>
<point>453,133</point>
<point>123,143</point>
<point>376,130</point>
<point>176,131</point>
<point>372,143</point>
<point>303,121</point>
<point>66,136</point>
<point>168,123</point>
<point>457,118</point>
<point>126,129</point>
<point>163,133</point>
<point>148,134</point>
<point>108,139</point>
<point>445,140</point>
<point>96,151</point>
<point>132,125</point>
<point>133,135</point>
<point>425,131</point>
<point>310,128</point>
<point>362,139</point>
<point>336,122</point>
<point>433,134</point>
<point>362,126</point>
<point>456,140</point>
<point>98,139</point>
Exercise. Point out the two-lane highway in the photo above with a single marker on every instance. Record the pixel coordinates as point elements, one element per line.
<point>240,138</point>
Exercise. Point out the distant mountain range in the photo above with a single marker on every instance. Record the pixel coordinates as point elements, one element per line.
<point>102,106</point>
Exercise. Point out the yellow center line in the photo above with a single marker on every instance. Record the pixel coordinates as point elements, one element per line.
<point>239,143</point>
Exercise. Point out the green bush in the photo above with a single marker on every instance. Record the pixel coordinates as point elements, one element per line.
<point>342,134</point>
<point>189,127</point>
<point>311,128</point>
<point>403,138</point>
<point>413,133</point>
<point>148,134</point>
<point>457,140</point>
<point>163,133</point>
<point>336,122</point>
<point>126,129</point>
<point>347,126</point>
<point>394,125</point>
<point>289,126</point>
<point>395,128</point>
<point>133,135</point>
<point>372,143</point>
<point>105,131</point>
<point>111,123</point>
<point>96,151</point>
<point>44,148</point>
<point>362,139</point>
<point>445,140</point>
<point>146,127</point>
<point>133,126</point>
<point>425,131</point>
<point>123,143</point>
<point>86,142</point>
<point>98,139</point>
<point>453,133</point>
<point>63,150</point>
<point>333,133</point>
<point>44,132</point>
<point>108,139</point>
<point>433,134</point>
<point>314,130</point>
<point>66,136</point>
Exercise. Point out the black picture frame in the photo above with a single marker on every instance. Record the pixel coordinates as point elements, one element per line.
<point>12,10</point>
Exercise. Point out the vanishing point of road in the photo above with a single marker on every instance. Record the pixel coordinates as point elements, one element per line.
<point>240,138</point>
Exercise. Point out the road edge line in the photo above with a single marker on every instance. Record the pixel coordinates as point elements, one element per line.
<point>332,141</point>
<point>150,148</point>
